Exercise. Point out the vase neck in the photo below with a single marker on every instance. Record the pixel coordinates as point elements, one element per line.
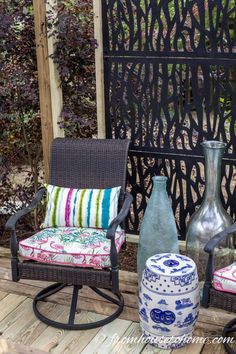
<point>159,183</point>
<point>213,161</point>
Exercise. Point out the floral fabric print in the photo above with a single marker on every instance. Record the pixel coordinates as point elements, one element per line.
<point>83,247</point>
<point>225,279</point>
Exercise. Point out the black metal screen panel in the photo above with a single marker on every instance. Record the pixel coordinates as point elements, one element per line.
<point>170,69</point>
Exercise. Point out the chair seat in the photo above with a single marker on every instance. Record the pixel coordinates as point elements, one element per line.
<point>83,247</point>
<point>225,279</point>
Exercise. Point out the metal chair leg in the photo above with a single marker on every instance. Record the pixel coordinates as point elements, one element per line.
<point>73,304</point>
<point>52,289</point>
<point>229,328</point>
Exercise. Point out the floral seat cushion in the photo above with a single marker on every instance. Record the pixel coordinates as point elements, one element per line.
<point>83,247</point>
<point>225,279</point>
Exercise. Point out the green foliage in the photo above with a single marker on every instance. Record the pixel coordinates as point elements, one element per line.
<point>74,56</point>
<point>20,124</point>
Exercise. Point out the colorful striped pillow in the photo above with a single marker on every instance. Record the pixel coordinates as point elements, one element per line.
<point>71,207</point>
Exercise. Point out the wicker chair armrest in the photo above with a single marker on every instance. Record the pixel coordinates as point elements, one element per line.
<point>212,243</point>
<point>12,221</point>
<point>120,217</point>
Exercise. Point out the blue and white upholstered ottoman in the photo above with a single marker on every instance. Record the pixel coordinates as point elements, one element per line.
<point>169,300</point>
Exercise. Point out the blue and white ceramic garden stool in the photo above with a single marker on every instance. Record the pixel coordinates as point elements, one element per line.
<point>169,300</point>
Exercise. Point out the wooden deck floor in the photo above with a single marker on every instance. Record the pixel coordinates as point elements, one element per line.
<point>21,332</point>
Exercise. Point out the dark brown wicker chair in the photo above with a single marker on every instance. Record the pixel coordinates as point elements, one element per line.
<point>211,296</point>
<point>216,298</point>
<point>79,163</point>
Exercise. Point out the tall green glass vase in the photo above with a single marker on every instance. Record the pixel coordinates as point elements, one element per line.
<point>158,233</point>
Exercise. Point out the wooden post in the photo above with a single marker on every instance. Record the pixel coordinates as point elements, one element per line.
<point>44,79</point>
<point>55,81</point>
<point>98,35</point>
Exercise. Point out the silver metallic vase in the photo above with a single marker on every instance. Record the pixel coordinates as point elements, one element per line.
<point>211,217</point>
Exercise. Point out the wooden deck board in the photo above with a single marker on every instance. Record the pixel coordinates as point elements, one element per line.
<point>51,336</point>
<point>9,303</point>
<point>28,334</point>
<point>17,318</point>
<point>2,295</point>
<point>193,348</point>
<point>124,346</point>
<point>75,341</point>
<point>103,341</point>
<point>55,340</point>
<point>149,349</point>
<point>21,332</point>
<point>8,347</point>
<point>213,348</point>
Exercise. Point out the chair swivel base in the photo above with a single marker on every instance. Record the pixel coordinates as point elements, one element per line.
<point>71,325</point>
<point>229,328</point>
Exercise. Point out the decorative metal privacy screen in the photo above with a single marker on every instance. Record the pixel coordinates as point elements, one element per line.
<point>170,69</point>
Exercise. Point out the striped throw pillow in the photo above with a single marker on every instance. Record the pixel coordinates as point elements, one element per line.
<point>71,207</point>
